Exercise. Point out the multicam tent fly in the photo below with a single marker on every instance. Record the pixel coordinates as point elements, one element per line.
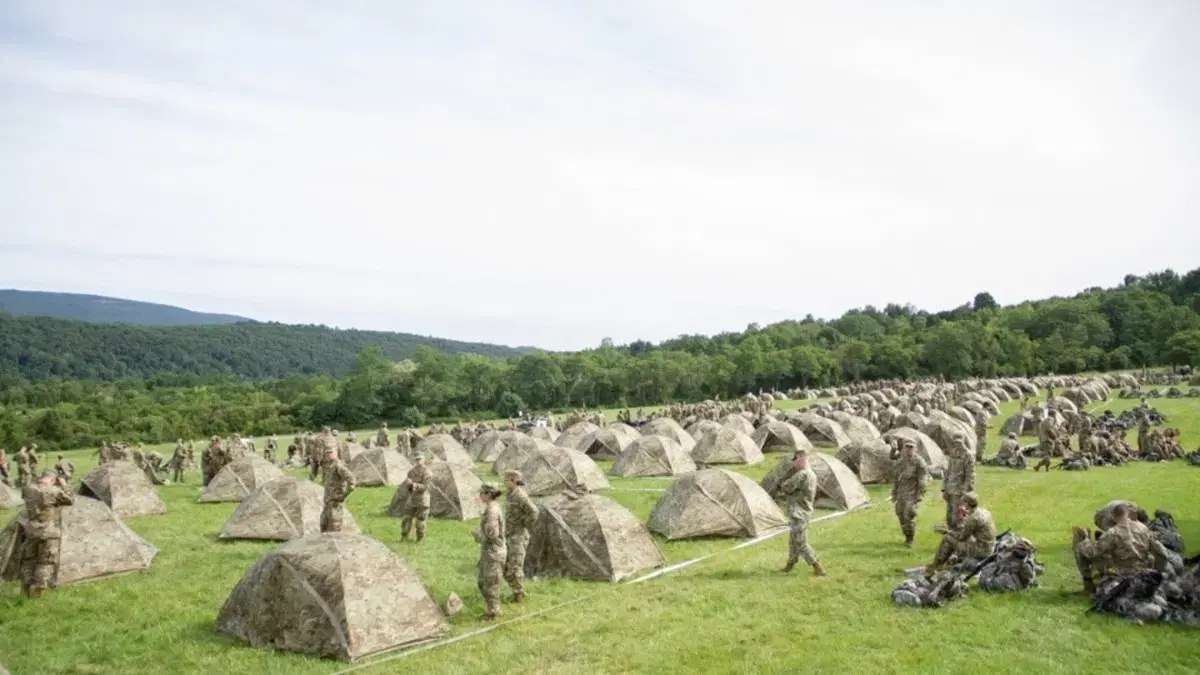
<point>124,488</point>
<point>589,537</point>
<point>714,502</point>
<point>238,479</point>
<point>284,509</point>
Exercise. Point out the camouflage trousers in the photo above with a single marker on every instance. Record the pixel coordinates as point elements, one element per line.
<point>415,515</point>
<point>39,561</point>
<point>951,549</point>
<point>489,578</point>
<point>952,499</point>
<point>22,475</point>
<point>980,444</point>
<point>906,512</point>
<point>177,473</point>
<point>514,563</point>
<point>798,546</point>
<point>332,516</point>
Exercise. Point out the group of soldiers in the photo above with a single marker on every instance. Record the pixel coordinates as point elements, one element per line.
<point>28,466</point>
<point>503,538</point>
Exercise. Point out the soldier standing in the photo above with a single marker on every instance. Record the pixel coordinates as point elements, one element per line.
<point>801,490</point>
<point>34,461</point>
<point>383,439</point>
<point>981,432</point>
<point>960,479</point>
<point>520,514</point>
<point>178,462</point>
<point>272,449</point>
<point>416,510</point>
<point>22,466</point>
<point>42,532</point>
<point>492,551</point>
<point>339,483</point>
<point>908,489</point>
<point>5,475</point>
<point>64,468</point>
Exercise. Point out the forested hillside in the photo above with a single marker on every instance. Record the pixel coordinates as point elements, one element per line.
<point>36,348</point>
<point>1146,321</point>
<point>101,309</point>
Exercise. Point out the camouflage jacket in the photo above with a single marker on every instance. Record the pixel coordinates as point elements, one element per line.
<point>382,440</point>
<point>977,533</point>
<point>1008,448</point>
<point>418,485</point>
<point>960,474</point>
<point>492,546</point>
<point>339,482</point>
<point>1104,518</point>
<point>41,509</point>
<point>520,513</point>
<point>1128,547</point>
<point>912,475</point>
<point>800,490</point>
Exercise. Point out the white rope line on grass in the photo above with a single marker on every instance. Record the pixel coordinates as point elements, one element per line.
<point>424,647</point>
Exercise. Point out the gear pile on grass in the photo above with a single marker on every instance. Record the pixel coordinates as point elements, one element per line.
<point>1013,566</point>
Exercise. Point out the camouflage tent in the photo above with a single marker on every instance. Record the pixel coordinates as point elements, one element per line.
<point>1062,404</point>
<point>837,486</point>
<point>546,433</point>
<point>859,429</point>
<point>910,420</point>
<point>238,479</point>
<point>487,447</point>
<point>445,448</point>
<point>737,421</point>
<point>665,426</point>
<point>714,502</point>
<point>871,461</point>
<point>284,509</point>
<point>776,436</point>
<point>943,429</point>
<point>962,415</point>
<point>608,442</point>
<point>95,543</point>
<point>653,456</point>
<point>124,487</point>
<point>348,451</point>
<point>559,469</point>
<point>338,595</point>
<point>1021,424</point>
<point>10,498</point>
<point>453,493</point>
<point>517,454</point>
<point>589,537</point>
<point>379,466</point>
<point>727,446</point>
<point>929,450</point>
<point>571,436</point>
<point>697,429</point>
<point>821,431</point>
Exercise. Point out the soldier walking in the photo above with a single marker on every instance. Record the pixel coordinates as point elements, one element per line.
<point>908,489</point>
<point>801,490</point>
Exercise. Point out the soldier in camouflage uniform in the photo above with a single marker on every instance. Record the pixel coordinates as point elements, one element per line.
<point>178,462</point>
<point>34,461</point>
<point>908,489</point>
<point>22,466</point>
<point>959,479</point>
<point>5,471</point>
<point>417,509</point>
<point>271,449</point>
<point>383,438</point>
<point>339,483</point>
<point>42,533</point>
<point>1127,547</point>
<point>981,432</point>
<point>404,442</point>
<point>64,468</point>
<point>492,551</point>
<point>520,513</point>
<point>973,539</point>
<point>801,490</point>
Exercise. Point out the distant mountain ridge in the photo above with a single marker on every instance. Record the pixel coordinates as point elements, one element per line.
<point>102,309</point>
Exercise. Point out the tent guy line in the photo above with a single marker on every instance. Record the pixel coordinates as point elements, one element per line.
<point>770,534</point>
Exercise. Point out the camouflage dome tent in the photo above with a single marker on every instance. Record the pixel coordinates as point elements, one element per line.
<point>871,461</point>
<point>517,454</point>
<point>858,429</point>
<point>665,426</point>
<point>1021,424</point>
<point>609,442</point>
<point>653,456</point>
<point>95,543</point>
<point>379,466</point>
<point>822,432</point>
<point>927,448</point>
<point>714,502</point>
<point>775,436</point>
<point>238,479</point>
<point>546,433</point>
<point>589,537</point>
<point>445,448</point>
<point>697,429</point>
<point>837,486</point>
<point>284,509</point>
<point>338,595</point>
<point>453,493</point>
<point>487,447</point>
<point>559,469</point>
<point>10,498</point>
<point>727,446</point>
<point>348,451</point>
<point>943,430</point>
<point>124,488</point>
<point>572,435</point>
<point>911,420</point>
<point>739,422</point>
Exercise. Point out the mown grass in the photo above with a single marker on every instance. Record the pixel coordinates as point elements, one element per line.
<point>730,613</point>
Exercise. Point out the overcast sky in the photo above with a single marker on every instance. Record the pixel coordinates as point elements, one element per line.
<point>554,172</point>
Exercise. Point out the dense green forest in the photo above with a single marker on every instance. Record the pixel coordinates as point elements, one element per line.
<point>102,309</point>
<point>1146,321</point>
<point>38,348</point>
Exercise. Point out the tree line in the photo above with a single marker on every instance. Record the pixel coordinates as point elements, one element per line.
<point>1146,321</point>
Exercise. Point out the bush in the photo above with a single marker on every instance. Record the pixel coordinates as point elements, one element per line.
<point>509,405</point>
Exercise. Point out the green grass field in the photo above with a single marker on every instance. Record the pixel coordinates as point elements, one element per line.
<point>730,613</point>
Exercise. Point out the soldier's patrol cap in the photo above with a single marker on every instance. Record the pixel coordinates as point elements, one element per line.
<point>513,474</point>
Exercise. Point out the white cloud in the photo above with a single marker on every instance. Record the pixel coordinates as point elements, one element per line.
<point>525,173</point>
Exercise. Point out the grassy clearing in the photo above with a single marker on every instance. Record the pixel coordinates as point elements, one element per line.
<point>731,613</point>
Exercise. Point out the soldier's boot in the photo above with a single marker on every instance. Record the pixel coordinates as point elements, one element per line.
<point>818,569</point>
<point>37,593</point>
<point>908,541</point>
<point>1089,587</point>
<point>25,589</point>
<point>788,567</point>
<point>420,531</point>
<point>405,528</point>
<point>518,596</point>
<point>909,531</point>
